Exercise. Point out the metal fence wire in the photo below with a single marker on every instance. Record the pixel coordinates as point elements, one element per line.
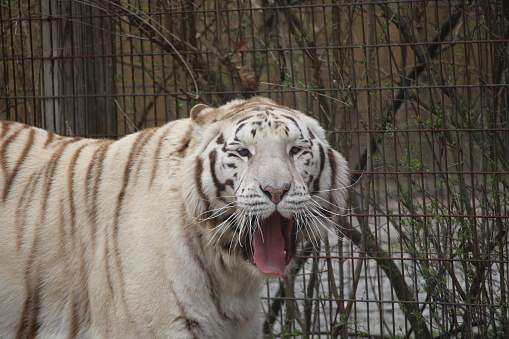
<point>414,94</point>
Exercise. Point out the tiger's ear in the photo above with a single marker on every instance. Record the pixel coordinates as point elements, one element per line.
<point>202,114</point>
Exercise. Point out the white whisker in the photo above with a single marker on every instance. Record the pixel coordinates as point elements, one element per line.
<point>322,208</point>
<point>330,203</point>
<point>221,228</point>
<point>344,187</point>
<point>216,212</point>
<point>310,228</point>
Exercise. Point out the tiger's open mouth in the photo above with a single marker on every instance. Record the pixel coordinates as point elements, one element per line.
<point>273,245</point>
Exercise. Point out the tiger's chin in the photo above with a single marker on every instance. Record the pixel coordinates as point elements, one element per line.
<point>271,246</point>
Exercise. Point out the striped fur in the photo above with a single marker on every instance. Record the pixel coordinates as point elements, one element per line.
<point>157,235</point>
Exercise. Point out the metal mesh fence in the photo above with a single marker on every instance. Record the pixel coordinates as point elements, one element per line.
<point>413,93</point>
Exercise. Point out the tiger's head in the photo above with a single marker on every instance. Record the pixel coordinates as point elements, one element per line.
<point>260,177</point>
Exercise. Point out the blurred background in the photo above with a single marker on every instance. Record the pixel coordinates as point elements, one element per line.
<point>414,93</point>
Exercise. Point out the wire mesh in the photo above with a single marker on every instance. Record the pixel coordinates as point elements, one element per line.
<point>413,93</point>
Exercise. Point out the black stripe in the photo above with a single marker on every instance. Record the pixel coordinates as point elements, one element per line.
<point>49,176</point>
<point>5,127</point>
<point>198,171</point>
<point>94,172</point>
<point>29,326</point>
<point>311,134</point>
<point>190,324</point>
<point>239,126</point>
<point>24,202</point>
<point>3,158</point>
<point>137,146</point>
<point>294,122</point>
<point>156,159</point>
<point>196,248</point>
<point>75,321</point>
<point>49,139</point>
<point>70,188</point>
<point>9,178</point>
<point>137,153</point>
<point>220,139</point>
<point>183,145</point>
<point>333,167</point>
<point>316,185</point>
<point>217,184</point>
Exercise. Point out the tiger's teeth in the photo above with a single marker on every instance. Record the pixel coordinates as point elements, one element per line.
<point>284,252</point>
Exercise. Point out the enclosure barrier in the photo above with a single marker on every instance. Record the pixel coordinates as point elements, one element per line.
<point>413,93</point>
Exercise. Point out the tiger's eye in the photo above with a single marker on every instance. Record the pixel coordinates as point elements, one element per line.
<point>243,152</point>
<point>294,150</point>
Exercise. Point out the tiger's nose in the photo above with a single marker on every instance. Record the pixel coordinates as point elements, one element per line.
<point>275,194</point>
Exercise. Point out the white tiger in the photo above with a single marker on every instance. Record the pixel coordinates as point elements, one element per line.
<point>166,233</point>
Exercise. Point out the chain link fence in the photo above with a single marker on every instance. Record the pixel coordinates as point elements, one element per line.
<point>414,93</point>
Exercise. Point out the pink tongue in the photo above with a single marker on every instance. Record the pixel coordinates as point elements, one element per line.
<point>269,246</point>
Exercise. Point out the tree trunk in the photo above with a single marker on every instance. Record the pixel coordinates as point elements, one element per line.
<point>78,69</point>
